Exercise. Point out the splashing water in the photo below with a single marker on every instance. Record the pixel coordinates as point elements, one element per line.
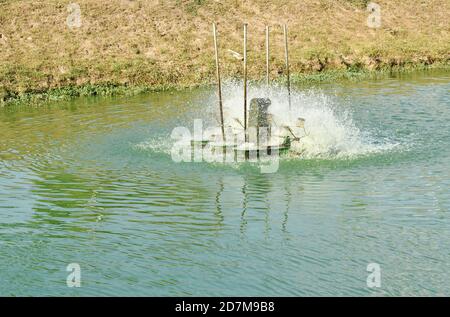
<point>330,130</point>
<point>329,133</point>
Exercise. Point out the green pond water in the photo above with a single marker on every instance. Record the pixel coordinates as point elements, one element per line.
<point>92,182</point>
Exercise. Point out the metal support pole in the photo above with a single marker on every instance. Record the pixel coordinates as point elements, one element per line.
<point>267,55</point>
<point>219,84</point>
<point>245,82</point>
<point>287,65</point>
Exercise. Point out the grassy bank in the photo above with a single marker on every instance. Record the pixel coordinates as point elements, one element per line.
<point>128,47</point>
<point>36,98</point>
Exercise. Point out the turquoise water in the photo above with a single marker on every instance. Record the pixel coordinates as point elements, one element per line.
<point>92,182</point>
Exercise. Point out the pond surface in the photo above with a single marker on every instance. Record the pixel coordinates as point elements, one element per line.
<point>92,182</point>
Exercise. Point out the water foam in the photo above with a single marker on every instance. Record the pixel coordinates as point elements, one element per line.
<point>330,130</point>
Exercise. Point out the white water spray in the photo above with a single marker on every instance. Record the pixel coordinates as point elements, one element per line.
<point>330,131</point>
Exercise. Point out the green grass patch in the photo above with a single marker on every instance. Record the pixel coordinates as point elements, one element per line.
<point>110,89</point>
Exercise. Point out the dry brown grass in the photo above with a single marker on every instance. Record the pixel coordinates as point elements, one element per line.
<point>160,42</point>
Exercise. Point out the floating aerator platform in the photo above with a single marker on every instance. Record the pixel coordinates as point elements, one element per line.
<point>258,134</point>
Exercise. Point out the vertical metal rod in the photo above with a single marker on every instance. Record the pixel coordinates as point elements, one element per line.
<point>245,81</point>
<point>287,64</point>
<point>267,55</point>
<point>219,84</point>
